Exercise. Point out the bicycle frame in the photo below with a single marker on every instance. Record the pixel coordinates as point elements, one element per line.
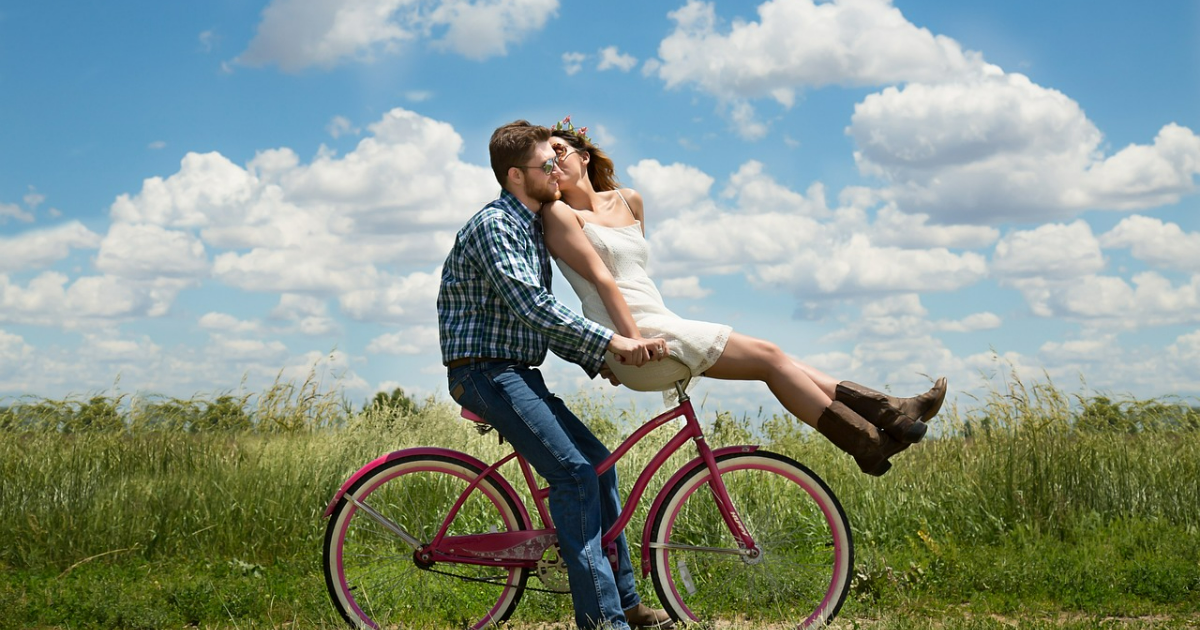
<point>523,548</point>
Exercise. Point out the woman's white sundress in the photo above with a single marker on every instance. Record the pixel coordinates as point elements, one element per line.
<point>696,344</point>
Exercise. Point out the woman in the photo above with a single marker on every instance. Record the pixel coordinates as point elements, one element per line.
<point>596,233</point>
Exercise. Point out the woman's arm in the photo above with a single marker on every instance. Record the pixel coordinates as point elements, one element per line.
<point>565,240</point>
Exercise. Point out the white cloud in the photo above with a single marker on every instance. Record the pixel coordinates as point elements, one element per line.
<point>16,357</point>
<point>759,193</point>
<point>688,287</point>
<point>310,314</point>
<point>324,226</point>
<point>409,299</point>
<point>260,351</point>
<point>1052,251</point>
<point>783,239</point>
<point>1161,244</point>
<point>33,199</point>
<point>296,34</point>
<point>12,211</point>
<point>150,251</point>
<point>972,323</point>
<point>39,248</point>
<point>226,323</point>
<point>668,190</point>
<point>208,40</point>
<point>207,189</point>
<point>341,126</point>
<point>477,30</point>
<point>960,141</point>
<point>410,341</point>
<point>611,58</point>
<point>1103,302</point>
<point>573,62</point>
<point>798,43</point>
<point>51,299</point>
<point>893,227</point>
<point>1000,147</point>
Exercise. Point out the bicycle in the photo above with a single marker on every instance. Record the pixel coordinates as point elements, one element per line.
<point>429,530</point>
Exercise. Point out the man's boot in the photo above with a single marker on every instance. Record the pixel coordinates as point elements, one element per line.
<point>902,418</point>
<point>848,431</point>
<point>643,616</point>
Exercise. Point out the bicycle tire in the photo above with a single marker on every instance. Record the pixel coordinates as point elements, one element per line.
<point>372,576</point>
<point>804,573</point>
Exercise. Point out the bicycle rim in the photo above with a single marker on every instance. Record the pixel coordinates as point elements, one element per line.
<point>803,575</point>
<point>371,574</point>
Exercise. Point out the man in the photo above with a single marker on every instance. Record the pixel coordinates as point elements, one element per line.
<point>496,320</point>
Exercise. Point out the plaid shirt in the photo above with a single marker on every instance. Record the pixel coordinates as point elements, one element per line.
<point>495,300</point>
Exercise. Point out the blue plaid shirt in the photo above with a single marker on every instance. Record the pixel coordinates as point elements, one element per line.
<point>495,300</point>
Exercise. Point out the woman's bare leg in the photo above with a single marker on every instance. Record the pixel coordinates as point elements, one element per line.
<point>748,359</point>
<point>827,383</point>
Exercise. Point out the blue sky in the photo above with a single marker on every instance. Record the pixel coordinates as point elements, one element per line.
<point>199,197</point>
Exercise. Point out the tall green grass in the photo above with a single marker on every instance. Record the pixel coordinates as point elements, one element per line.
<point>1028,498</point>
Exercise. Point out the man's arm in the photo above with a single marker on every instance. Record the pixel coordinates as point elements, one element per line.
<point>507,256</point>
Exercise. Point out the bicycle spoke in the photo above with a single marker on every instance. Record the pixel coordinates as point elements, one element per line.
<point>802,572</point>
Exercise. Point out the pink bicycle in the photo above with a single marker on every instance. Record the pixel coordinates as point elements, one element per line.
<point>428,537</point>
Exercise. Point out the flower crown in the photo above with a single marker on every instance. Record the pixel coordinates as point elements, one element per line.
<point>566,126</point>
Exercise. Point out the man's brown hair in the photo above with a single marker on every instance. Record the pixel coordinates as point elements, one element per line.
<point>512,145</point>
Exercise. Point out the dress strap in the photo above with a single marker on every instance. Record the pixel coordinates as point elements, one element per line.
<point>626,203</point>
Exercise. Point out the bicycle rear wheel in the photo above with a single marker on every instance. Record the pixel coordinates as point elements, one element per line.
<point>371,574</point>
<point>803,574</point>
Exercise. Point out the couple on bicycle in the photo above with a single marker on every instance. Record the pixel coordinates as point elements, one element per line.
<point>497,318</point>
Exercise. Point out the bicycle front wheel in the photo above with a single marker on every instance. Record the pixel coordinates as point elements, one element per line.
<point>371,574</point>
<point>803,574</point>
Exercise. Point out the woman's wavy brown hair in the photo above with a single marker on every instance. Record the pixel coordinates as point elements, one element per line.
<point>600,168</point>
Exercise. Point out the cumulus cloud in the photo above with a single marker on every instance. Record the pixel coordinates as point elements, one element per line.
<point>297,34</point>
<point>408,299</point>
<point>1000,148</point>
<point>670,189</point>
<point>611,58</point>
<point>1053,251</point>
<point>410,341</point>
<point>226,323</point>
<point>573,62</point>
<point>39,248</point>
<point>688,287</point>
<point>52,299</point>
<point>1156,242</point>
<point>280,225</point>
<point>12,211</point>
<point>950,136</point>
<point>1103,302</point>
<point>134,250</point>
<point>783,239</point>
<point>798,44</point>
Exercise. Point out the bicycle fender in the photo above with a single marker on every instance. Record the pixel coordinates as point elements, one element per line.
<point>424,450</point>
<point>687,468</point>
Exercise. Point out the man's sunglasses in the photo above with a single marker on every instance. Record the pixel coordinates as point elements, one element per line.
<point>547,166</point>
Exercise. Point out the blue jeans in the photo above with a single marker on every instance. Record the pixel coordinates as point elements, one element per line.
<point>513,398</point>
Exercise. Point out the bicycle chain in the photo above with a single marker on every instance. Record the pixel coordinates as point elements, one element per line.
<point>493,582</point>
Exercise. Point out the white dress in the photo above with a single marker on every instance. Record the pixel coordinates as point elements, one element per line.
<point>695,345</point>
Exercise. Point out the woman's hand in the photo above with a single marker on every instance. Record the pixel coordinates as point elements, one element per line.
<point>637,352</point>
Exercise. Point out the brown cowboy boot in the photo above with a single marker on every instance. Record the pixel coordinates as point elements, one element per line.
<point>902,418</point>
<point>643,616</point>
<point>848,431</point>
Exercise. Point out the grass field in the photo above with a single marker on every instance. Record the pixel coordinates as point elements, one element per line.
<point>1030,509</point>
